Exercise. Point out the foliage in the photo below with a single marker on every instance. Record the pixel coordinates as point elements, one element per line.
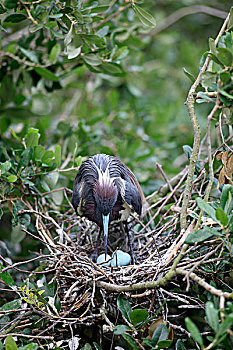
<point>79,78</point>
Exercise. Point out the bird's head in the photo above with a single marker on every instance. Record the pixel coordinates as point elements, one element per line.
<point>105,195</point>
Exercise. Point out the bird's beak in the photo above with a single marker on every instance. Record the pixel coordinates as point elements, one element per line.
<point>105,225</point>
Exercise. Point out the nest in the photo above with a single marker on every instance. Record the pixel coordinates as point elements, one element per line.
<point>87,292</point>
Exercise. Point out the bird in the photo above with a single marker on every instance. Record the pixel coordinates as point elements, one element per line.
<point>105,190</point>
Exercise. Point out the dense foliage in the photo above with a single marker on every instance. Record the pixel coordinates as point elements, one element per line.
<point>79,78</point>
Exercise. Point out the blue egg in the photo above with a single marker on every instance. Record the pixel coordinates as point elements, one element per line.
<point>101,259</point>
<point>120,258</point>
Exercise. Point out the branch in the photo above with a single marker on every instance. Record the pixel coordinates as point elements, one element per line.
<point>196,128</point>
<point>186,11</point>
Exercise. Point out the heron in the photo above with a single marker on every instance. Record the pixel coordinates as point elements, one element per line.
<point>106,190</point>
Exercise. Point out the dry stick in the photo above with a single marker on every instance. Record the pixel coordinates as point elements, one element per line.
<point>26,336</point>
<point>165,202</point>
<point>166,179</point>
<point>196,128</point>
<point>211,170</point>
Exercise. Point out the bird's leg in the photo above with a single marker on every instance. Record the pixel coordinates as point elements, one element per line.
<point>130,242</point>
<point>95,253</point>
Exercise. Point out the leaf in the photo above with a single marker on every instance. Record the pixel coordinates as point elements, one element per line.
<point>212,316</point>
<point>72,51</point>
<point>10,344</point>
<point>121,329</point>
<point>31,346</point>
<point>54,53</point>
<point>15,18</point>
<point>39,151</point>
<point>208,79</point>
<point>11,305</point>
<point>57,155</point>
<point>97,347</point>
<point>187,150</point>
<point>102,32</point>
<point>10,4</point>
<point>130,341</point>
<point>92,60</point>
<point>189,75</point>
<point>221,216</point>
<point>138,315</point>
<point>47,158</point>
<point>225,93</point>
<point>225,56</point>
<point>212,46</point>
<point>226,201</point>
<point>146,18</point>
<point>230,21</point>
<point>32,57</point>
<point>5,167</point>
<point>46,73</point>
<point>180,345</point>
<point>51,179</point>
<point>12,178</point>
<point>203,205</point>
<point>203,96</point>
<point>112,68</point>
<point>124,306</point>
<point>6,277</point>
<point>68,37</point>
<point>161,333</point>
<point>26,156</point>
<point>225,325</point>
<point>32,137</point>
<point>195,333</point>
<point>199,236</point>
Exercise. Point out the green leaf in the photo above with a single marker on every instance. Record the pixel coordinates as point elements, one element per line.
<point>130,341</point>
<point>162,344</point>
<point>32,137</point>
<point>138,315</point>
<point>124,306</point>
<point>92,60</point>
<point>225,325</point>
<point>199,236</point>
<point>10,344</point>
<point>208,79</point>
<point>221,216</point>
<point>32,57</point>
<point>187,150</point>
<point>212,46</point>
<point>15,18</point>
<point>5,167</point>
<point>97,347</point>
<point>225,93</point>
<point>11,178</point>
<point>54,53</point>
<point>226,201</point>
<point>230,21</point>
<point>212,316</point>
<point>51,179</point>
<point>45,73</point>
<point>68,37</point>
<point>225,56</point>
<point>102,32</point>
<point>11,305</point>
<point>31,346</point>
<point>195,333</point>
<point>146,18</point>
<point>57,155</point>
<point>189,75</point>
<point>39,151</point>
<point>161,333</point>
<point>207,208</point>
<point>6,277</point>
<point>112,68</point>
<point>203,96</point>
<point>25,158</point>
<point>121,329</point>
<point>72,51</point>
<point>47,158</point>
<point>180,345</point>
<point>10,4</point>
